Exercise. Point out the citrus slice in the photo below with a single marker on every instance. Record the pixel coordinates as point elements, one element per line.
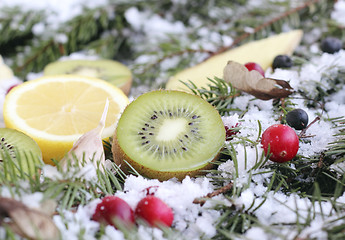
<point>56,110</point>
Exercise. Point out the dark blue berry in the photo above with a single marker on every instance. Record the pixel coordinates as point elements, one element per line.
<point>331,45</point>
<point>297,118</point>
<point>282,61</point>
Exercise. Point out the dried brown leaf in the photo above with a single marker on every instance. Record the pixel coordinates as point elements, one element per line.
<point>27,222</point>
<point>253,83</point>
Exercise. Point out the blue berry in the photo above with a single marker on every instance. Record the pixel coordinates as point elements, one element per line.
<point>297,118</point>
<point>282,61</point>
<point>331,45</point>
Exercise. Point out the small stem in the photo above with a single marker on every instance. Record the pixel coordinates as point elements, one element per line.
<point>302,133</point>
<point>221,190</point>
<point>33,58</point>
<point>320,163</point>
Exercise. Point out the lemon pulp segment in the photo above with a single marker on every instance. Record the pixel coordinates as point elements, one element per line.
<point>63,112</point>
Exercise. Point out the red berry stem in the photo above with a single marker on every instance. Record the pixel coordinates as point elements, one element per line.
<point>224,189</point>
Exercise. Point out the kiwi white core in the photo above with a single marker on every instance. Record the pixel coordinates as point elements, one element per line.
<point>114,72</point>
<point>88,72</point>
<point>171,128</point>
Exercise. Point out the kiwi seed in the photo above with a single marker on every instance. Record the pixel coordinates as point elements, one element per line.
<point>6,146</point>
<point>17,146</point>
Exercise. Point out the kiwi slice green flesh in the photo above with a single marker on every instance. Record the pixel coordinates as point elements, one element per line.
<point>166,133</point>
<point>111,71</point>
<point>21,149</point>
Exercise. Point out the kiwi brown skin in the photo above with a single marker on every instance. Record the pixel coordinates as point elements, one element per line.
<point>126,88</point>
<point>120,158</point>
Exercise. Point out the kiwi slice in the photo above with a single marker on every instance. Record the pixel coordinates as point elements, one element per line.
<point>109,70</point>
<point>19,153</point>
<point>168,133</point>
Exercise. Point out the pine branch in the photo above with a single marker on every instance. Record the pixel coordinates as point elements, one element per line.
<point>331,81</point>
<point>294,18</point>
<point>79,32</point>
<point>269,23</point>
<point>16,28</point>
<point>319,179</point>
<point>69,189</point>
<point>220,94</point>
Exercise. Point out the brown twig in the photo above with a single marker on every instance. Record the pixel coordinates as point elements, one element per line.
<point>221,190</point>
<point>33,58</point>
<point>320,163</point>
<point>302,133</point>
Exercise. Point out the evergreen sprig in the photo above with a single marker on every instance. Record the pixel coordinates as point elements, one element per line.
<point>319,179</point>
<point>16,28</point>
<point>219,94</point>
<point>313,178</point>
<point>92,30</point>
<point>105,32</point>
<point>69,188</point>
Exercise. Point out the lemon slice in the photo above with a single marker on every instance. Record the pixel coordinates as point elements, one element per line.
<point>56,110</point>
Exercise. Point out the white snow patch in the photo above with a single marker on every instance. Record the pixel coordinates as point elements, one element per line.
<point>338,12</point>
<point>154,26</point>
<point>58,11</point>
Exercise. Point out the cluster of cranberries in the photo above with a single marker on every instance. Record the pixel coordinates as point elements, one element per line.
<point>117,212</point>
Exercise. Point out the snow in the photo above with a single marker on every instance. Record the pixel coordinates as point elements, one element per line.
<point>78,222</point>
<point>338,13</point>
<point>254,232</point>
<point>155,26</point>
<point>193,220</point>
<point>174,194</point>
<point>59,11</point>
